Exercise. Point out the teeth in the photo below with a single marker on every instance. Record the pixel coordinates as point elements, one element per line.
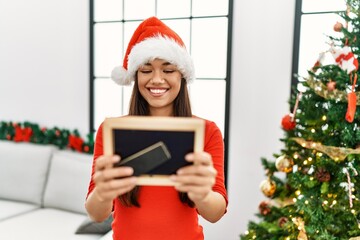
<point>157,91</point>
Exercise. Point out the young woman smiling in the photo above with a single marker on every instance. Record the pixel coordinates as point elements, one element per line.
<point>157,62</point>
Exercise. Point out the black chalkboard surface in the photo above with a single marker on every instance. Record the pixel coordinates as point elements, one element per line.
<point>126,136</point>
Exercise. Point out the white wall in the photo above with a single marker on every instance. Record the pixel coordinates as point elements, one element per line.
<point>44,78</point>
<point>260,87</point>
<point>44,70</point>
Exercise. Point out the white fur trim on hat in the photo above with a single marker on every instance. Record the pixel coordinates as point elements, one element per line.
<point>120,75</point>
<point>161,47</point>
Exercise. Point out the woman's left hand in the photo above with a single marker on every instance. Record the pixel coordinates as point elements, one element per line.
<point>198,178</point>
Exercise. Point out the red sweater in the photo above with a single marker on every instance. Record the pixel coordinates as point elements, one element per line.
<point>162,215</point>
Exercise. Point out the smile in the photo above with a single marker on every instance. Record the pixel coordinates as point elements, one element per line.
<point>157,90</point>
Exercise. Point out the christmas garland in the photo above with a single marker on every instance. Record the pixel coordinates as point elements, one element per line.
<point>31,132</point>
<point>321,90</point>
<point>335,153</point>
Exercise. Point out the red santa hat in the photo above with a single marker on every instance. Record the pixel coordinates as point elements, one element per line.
<point>153,39</point>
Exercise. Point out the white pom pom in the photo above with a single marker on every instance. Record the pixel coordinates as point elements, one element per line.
<point>120,75</point>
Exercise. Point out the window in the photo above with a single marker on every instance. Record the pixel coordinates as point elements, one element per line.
<point>314,22</point>
<point>206,32</point>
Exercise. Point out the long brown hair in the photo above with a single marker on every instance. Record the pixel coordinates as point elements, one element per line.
<point>140,107</point>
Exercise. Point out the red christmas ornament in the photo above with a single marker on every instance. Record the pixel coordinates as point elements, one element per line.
<point>288,123</point>
<point>338,26</point>
<point>331,86</point>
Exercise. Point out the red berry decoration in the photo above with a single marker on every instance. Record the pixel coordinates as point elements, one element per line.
<point>288,123</point>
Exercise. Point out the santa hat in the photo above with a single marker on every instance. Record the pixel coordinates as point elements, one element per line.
<point>153,39</point>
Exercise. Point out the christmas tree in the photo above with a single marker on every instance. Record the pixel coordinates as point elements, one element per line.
<point>313,185</point>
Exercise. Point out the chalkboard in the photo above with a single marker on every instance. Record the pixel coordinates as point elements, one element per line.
<point>128,135</point>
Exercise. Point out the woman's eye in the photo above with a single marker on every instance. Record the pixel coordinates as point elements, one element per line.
<point>145,71</point>
<point>169,71</point>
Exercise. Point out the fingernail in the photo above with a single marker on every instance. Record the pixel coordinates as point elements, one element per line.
<point>189,156</point>
<point>129,170</point>
<point>116,158</point>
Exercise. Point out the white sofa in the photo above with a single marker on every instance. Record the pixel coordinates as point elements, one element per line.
<point>42,194</point>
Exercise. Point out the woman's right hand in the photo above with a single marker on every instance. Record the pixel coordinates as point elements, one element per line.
<point>111,182</point>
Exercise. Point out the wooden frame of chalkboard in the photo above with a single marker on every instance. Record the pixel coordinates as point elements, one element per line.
<point>128,135</point>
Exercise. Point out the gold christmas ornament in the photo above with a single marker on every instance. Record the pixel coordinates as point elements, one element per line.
<point>268,187</point>
<point>284,164</point>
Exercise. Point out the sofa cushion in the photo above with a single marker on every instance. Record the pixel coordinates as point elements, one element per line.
<point>45,224</point>
<point>68,181</point>
<point>9,209</point>
<point>89,226</point>
<point>23,171</point>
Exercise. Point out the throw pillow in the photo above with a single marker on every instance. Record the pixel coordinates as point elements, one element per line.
<point>90,227</point>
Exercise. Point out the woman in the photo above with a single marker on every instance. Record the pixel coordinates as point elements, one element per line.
<point>160,67</point>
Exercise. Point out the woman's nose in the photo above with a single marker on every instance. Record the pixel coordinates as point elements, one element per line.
<point>157,77</point>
